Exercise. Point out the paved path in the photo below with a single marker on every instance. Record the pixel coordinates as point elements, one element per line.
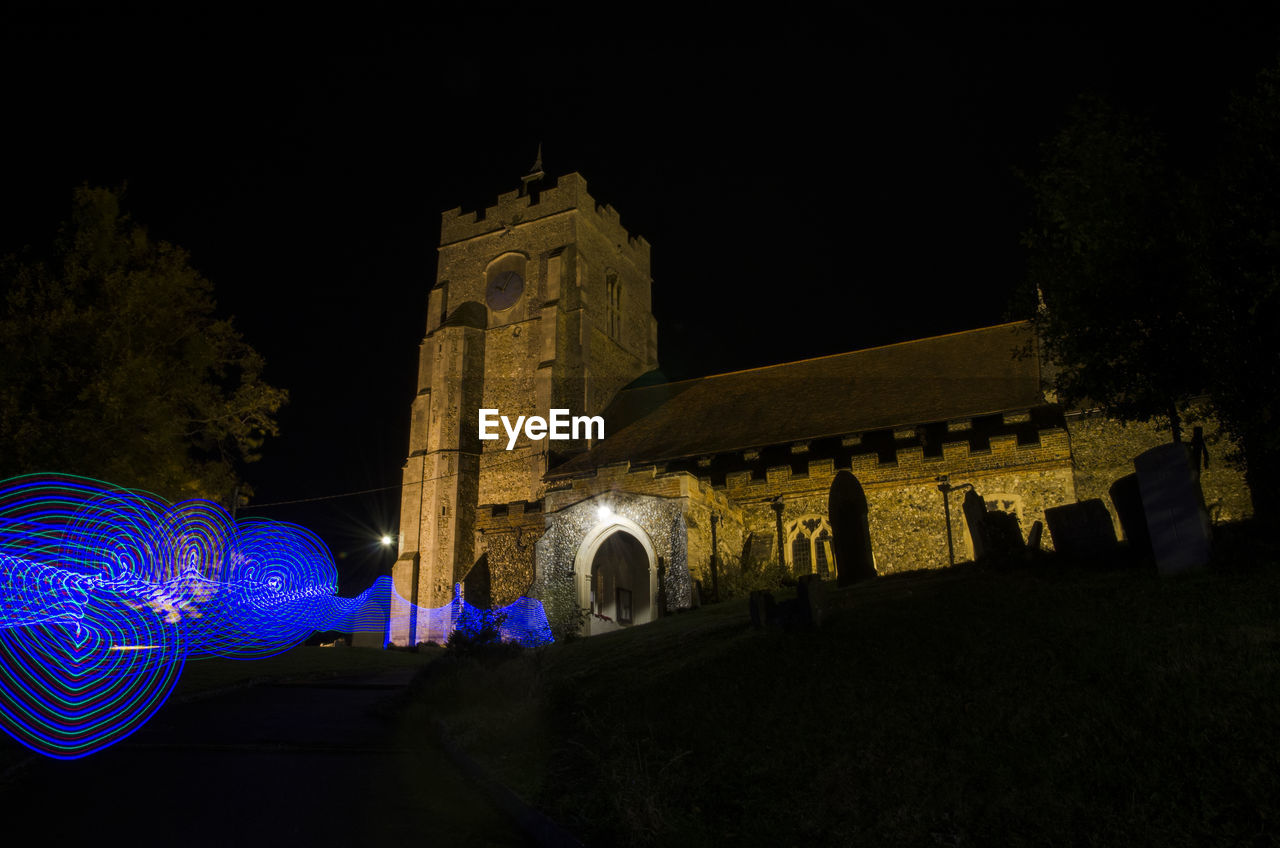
<point>294,764</point>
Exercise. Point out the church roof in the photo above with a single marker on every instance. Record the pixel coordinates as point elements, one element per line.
<point>961,375</point>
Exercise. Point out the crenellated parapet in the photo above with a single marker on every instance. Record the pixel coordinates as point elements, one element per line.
<point>890,454</point>
<point>877,458</point>
<point>905,464</point>
<point>568,193</point>
<point>505,516</point>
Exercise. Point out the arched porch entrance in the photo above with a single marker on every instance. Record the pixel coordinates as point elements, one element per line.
<point>617,576</point>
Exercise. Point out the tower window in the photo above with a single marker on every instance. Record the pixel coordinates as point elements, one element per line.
<point>613,293</point>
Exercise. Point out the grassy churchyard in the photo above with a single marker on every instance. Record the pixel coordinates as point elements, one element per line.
<point>1048,706</point>
<point>1053,705</point>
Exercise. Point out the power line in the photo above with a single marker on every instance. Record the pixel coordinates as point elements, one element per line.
<point>322,497</point>
<point>378,489</point>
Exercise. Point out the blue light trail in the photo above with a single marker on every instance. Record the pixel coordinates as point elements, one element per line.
<point>105,593</point>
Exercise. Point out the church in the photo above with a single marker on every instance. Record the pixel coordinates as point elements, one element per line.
<point>543,302</point>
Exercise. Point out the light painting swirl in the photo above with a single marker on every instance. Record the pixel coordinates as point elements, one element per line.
<point>105,593</point>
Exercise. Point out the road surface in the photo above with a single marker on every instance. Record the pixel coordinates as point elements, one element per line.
<point>315,763</point>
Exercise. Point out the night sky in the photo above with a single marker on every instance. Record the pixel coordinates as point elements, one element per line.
<point>820,183</point>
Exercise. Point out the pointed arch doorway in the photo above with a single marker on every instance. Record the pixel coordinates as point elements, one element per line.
<point>617,576</point>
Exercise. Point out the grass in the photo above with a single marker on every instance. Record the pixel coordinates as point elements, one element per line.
<point>1054,706</point>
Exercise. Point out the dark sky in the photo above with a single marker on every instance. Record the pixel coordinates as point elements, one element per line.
<point>819,183</point>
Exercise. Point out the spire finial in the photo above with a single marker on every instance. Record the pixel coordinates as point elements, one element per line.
<point>535,173</point>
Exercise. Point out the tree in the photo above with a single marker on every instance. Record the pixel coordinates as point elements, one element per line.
<point>1241,299</point>
<point>1111,259</point>
<point>1158,288</point>
<point>113,365</point>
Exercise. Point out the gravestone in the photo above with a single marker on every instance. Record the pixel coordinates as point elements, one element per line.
<point>378,608</point>
<point>1004,538</point>
<point>811,594</point>
<point>851,537</point>
<point>975,516</point>
<point>1127,497</point>
<point>1033,537</point>
<point>1082,531</point>
<point>1173,505</point>
<point>996,535</point>
<point>757,552</point>
<point>761,604</point>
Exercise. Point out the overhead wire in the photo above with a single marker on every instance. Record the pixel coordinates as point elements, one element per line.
<point>521,458</point>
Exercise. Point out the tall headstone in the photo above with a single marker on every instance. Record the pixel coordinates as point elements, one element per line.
<point>1127,497</point>
<point>1173,504</point>
<point>975,516</point>
<point>851,536</point>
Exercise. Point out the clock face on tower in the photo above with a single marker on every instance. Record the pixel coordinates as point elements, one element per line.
<point>504,290</point>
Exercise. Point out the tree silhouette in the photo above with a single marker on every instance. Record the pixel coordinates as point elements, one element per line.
<point>1158,288</point>
<point>1112,258</point>
<point>113,364</point>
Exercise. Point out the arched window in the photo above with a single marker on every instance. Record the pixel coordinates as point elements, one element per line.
<point>800,558</point>
<point>808,548</point>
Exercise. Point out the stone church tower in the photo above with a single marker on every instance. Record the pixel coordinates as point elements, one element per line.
<point>541,302</point>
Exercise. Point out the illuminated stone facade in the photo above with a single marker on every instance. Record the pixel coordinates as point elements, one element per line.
<point>543,301</point>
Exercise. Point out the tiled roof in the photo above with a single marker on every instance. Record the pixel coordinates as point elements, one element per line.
<point>961,375</point>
